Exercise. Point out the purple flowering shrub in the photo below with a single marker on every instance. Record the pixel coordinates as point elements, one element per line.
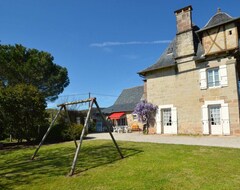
<point>145,111</point>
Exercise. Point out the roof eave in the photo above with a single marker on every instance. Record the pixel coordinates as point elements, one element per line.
<point>143,73</point>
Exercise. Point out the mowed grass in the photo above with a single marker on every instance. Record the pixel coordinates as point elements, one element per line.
<point>145,166</point>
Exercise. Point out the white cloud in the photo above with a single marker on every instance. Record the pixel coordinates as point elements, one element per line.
<point>105,44</point>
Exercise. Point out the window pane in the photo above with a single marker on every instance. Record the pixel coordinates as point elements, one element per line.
<point>135,117</point>
<point>216,73</point>
<point>167,118</point>
<point>210,78</point>
<point>213,77</point>
<point>214,112</point>
<point>216,76</point>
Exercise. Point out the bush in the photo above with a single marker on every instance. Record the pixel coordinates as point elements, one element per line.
<point>75,131</point>
<point>62,132</point>
<point>56,134</point>
<point>92,127</point>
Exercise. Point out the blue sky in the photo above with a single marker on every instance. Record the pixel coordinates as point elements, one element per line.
<point>102,43</point>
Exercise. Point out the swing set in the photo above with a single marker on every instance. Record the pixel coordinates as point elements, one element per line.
<point>78,145</point>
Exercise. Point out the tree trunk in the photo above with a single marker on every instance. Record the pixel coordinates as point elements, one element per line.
<point>147,126</point>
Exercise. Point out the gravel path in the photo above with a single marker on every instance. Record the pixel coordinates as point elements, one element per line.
<point>219,141</point>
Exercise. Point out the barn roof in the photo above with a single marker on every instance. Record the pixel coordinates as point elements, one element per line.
<point>127,100</point>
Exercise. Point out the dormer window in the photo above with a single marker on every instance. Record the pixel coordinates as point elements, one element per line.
<point>170,50</point>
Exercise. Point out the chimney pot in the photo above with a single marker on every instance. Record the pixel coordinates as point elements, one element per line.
<point>184,18</point>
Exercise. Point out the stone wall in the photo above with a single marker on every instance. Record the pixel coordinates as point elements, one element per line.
<point>184,44</point>
<point>184,19</point>
<point>132,122</point>
<point>182,89</point>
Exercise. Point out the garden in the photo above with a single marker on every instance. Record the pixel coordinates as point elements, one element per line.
<point>145,166</point>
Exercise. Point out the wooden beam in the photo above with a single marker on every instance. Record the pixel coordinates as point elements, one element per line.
<point>109,129</point>
<point>46,134</point>
<point>75,102</point>
<point>63,106</point>
<point>225,38</point>
<point>81,139</point>
<point>214,40</point>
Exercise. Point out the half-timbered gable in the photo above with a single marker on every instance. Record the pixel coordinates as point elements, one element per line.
<point>220,34</point>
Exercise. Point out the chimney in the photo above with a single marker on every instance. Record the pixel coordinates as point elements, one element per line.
<point>184,39</point>
<point>184,19</point>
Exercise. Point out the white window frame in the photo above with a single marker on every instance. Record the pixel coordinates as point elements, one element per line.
<point>223,79</point>
<point>225,118</point>
<point>215,116</point>
<point>214,79</point>
<point>173,118</point>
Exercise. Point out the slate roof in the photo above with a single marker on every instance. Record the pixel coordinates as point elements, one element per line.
<point>218,19</point>
<point>127,100</point>
<point>165,60</point>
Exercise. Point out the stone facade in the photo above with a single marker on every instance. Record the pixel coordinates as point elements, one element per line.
<point>182,89</point>
<point>199,94</point>
<point>184,38</point>
<point>133,123</point>
<point>184,19</point>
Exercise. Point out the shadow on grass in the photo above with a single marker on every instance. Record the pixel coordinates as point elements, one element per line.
<point>88,138</point>
<point>56,161</point>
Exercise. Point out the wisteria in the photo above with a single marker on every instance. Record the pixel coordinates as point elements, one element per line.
<point>145,111</point>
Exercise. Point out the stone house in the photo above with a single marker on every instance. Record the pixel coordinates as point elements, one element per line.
<point>195,81</point>
<point>121,112</point>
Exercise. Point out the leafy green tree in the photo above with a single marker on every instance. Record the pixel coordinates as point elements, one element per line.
<point>2,133</point>
<point>30,66</point>
<point>22,111</point>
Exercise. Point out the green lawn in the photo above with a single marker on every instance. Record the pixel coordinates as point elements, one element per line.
<point>145,166</point>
